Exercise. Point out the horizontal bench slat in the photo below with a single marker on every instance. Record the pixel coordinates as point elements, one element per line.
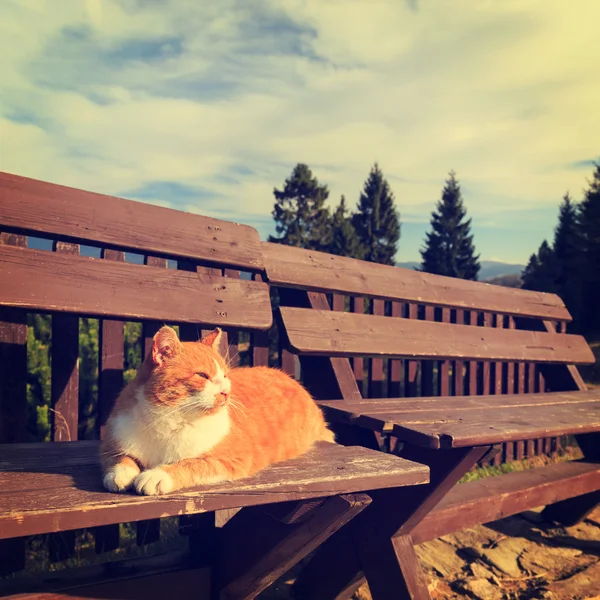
<point>32,206</point>
<point>56,487</point>
<point>331,333</point>
<point>47,281</point>
<point>474,421</point>
<point>287,266</point>
<point>492,498</point>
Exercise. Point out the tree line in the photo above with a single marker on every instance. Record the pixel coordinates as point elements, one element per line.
<point>570,265</point>
<point>372,231</point>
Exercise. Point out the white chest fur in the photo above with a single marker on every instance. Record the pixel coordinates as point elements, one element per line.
<point>156,435</point>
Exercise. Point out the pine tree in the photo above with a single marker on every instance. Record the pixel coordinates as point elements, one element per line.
<point>589,217</point>
<point>540,273</point>
<point>344,240</point>
<point>301,217</point>
<point>377,221</point>
<point>449,246</point>
<point>567,257</point>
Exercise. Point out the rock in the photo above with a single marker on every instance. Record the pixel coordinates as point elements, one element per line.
<point>504,556</point>
<point>540,560</point>
<point>483,589</point>
<point>585,584</point>
<point>439,556</point>
<point>482,572</point>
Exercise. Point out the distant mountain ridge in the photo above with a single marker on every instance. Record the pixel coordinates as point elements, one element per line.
<point>489,268</point>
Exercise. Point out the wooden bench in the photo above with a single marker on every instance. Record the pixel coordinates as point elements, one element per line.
<point>55,488</point>
<point>493,366</point>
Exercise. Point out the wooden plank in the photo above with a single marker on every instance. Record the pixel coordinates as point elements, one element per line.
<point>376,364</point>
<point>320,332</point>
<point>444,366</point>
<point>485,387</point>
<point>287,266</point>
<point>48,500</point>
<point>28,205</point>
<point>458,375</point>
<point>473,366</point>
<point>39,280</point>
<point>258,549</point>
<point>493,498</point>
<point>411,366</point>
<point>395,365</point>
<point>13,399</point>
<point>358,365</point>
<point>65,368</point>
<point>427,366</point>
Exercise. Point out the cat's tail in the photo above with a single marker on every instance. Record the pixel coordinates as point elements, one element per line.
<point>327,435</point>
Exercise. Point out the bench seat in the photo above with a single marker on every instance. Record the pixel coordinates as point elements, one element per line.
<point>492,498</point>
<point>458,421</point>
<point>55,487</point>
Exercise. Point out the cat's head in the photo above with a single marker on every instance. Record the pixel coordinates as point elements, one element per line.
<point>192,375</point>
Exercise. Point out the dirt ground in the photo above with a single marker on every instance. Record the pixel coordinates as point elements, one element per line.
<point>520,557</point>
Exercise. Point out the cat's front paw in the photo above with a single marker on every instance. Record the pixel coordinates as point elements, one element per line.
<point>154,482</point>
<point>120,478</point>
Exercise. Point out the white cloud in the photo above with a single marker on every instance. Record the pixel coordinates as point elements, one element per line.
<point>111,96</point>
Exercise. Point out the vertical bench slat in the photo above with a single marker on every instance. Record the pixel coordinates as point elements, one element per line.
<point>444,366</point>
<point>486,379</point>
<point>496,387</point>
<point>233,351</point>
<point>376,364</point>
<point>472,364</point>
<point>358,363</point>
<point>110,383</point>
<point>13,399</point>
<point>395,365</point>
<point>148,532</point>
<point>411,367</point>
<point>427,366</point>
<point>458,382</point>
<point>64,396</point>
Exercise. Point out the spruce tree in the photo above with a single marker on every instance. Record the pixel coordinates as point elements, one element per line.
<point>589,217</point>
<point>567,257</point>
<point>377,221</point>
<point>301,217</point>
<point>449,246</point>
<point>344,240</point>
<point>540,273</point>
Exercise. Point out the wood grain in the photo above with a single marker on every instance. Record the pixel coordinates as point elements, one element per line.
<point>58,486</point>
<point>330,333</point>
<point>39,280</point>
<point>287,266</point>
<point>28,205</point>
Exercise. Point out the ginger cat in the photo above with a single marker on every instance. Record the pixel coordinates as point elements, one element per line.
<point>186,420</point>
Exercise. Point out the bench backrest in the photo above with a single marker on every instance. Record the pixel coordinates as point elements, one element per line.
<point>479,335</point>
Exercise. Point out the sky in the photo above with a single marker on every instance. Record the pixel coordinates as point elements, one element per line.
<point>207,106</point>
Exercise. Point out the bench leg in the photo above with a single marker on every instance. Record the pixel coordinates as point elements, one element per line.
<point>572,511</point>
<point>256,549</point>
<point>381,534</point>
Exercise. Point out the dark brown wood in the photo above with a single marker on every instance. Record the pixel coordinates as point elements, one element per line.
<point>358,364</point>
<point>259,549</point>
<point>232,352</point>
<point>411,366</point>
<point>395,365</point>
<point>39,280</point>
<point>321,332</point>
<point>494,498</point>
<point>61,488</point>
<point>444,367</point>
<point>13,399</point>
<point>427,366</point>
<point>463,421</point>
<point>65,368</point>
<point>376,364</point>
<point>28,205</point>
<point>485,370</point>
<point>287,266</point>
<point>458,370</point>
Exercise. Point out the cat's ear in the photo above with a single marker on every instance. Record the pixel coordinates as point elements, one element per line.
<point>213,339</point>
<point>165,345</point>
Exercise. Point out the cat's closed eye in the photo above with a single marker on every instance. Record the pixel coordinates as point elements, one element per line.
<point>203,375</point>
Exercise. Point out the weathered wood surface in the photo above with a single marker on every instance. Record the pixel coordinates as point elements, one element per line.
<point>39,280</point>
<point>29,205</point>
<point>493,498</point>
<point>449,422</point>
<point>287,266</point>
<point>55,487</point>
<point>330,333</point>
